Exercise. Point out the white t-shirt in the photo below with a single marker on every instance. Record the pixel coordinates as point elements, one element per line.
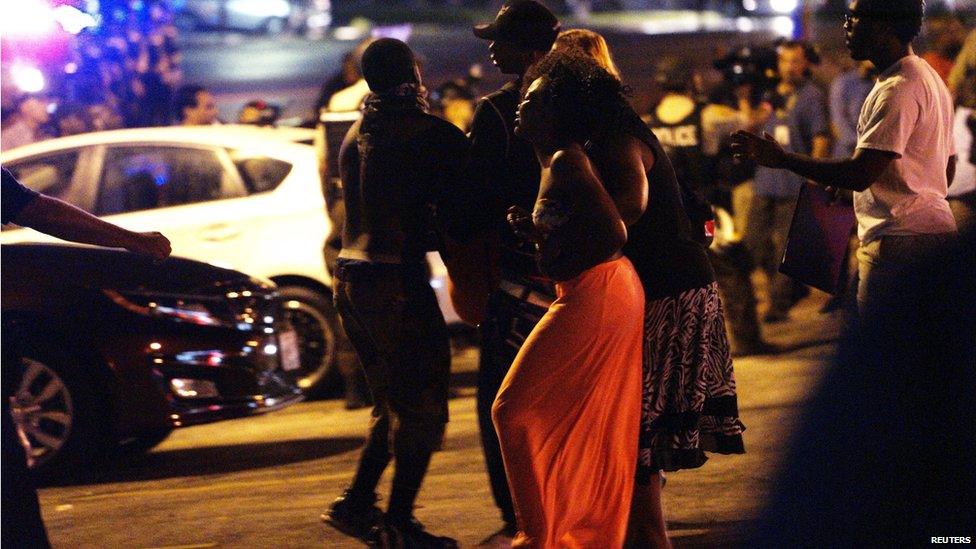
<point>908,112</point>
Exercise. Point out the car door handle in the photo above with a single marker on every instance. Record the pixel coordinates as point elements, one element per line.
<point>219,232</point>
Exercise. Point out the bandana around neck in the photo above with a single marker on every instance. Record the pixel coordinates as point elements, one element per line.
<point>406,96</point>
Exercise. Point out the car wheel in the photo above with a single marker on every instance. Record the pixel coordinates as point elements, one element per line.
<point>60,419</point>
<point>316,324</point>
<point>274,25</point>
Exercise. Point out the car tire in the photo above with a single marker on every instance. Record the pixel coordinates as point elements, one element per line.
<point>275,25</point>
<point>58,410</point>
<point>316,322</point>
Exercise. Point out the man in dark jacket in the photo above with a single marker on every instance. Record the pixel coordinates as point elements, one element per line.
<point>504,166</point>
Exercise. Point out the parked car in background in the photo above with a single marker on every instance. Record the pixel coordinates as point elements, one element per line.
<point>243,197</point>
<point>116,349</point>
<point>267,16</point>
<point>240,197</point>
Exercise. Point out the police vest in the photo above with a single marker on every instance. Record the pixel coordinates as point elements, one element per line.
<point>682,141</point>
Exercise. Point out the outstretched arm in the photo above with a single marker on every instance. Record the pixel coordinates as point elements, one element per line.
<point>62,220</point>
<point>856,173</point>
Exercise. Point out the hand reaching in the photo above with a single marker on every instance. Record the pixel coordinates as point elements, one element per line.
<point>764,150</point>
<point>153,244</point>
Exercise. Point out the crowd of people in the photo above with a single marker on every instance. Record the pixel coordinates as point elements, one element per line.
<point>773,88</point>
<point>122,74</point>
<point>774,91</point>
<point>127,74</point>
<point>577,235</point>
<point>576,239</point>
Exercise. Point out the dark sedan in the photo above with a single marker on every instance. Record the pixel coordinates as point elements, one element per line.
<point>114,349</point>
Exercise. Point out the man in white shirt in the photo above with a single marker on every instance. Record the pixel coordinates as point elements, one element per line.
<point>905,158</point>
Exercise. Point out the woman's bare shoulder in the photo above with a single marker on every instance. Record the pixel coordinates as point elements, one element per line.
<point>568,162</point>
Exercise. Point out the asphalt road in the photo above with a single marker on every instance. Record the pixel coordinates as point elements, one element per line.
<point>263,481</point>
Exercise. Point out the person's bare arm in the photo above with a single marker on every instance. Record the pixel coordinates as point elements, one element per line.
<point>62,220</point>
<point>625,175</point>
<point>856,173</point>
<point>592,230</point>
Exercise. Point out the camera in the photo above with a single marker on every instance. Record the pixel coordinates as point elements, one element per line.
<point>753,66</point>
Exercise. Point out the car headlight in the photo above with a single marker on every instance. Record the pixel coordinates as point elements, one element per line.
<point>239,309</point>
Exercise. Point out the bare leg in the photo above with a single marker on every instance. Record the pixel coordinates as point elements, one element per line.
<point>647,528</point>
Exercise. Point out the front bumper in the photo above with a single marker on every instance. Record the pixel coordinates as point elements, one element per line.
<point>236,380</point>
<point>185,413</point>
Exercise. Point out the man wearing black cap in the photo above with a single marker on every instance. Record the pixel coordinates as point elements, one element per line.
<point>505,167</point>
<point>397,163</point>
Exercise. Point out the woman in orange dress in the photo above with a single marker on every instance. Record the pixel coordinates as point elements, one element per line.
<point>568,412</point>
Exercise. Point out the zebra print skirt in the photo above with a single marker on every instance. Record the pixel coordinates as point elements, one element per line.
<point>689,400</point>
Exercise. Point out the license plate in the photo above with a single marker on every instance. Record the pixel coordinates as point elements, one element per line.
<point>288,350</point>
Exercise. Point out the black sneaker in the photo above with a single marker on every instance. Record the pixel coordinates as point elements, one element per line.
<point>353,517</point>
<point>407,535</point>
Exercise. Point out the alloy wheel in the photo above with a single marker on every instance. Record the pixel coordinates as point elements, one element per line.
<point>316,341</point>
<point>43,412</point>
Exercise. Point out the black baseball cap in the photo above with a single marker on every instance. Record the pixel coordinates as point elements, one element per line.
<point>525,23</point>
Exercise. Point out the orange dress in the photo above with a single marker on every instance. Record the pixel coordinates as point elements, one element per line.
<point>568,413</point>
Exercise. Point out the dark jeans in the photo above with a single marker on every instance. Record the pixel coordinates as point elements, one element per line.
<point>507,323</point>
<point>392,318</point>
<point>352,374</point>
<point>768,227</point>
